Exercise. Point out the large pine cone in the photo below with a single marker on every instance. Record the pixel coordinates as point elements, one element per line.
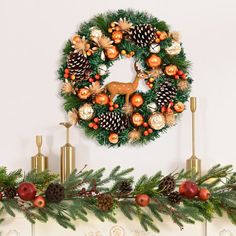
<point>143,34</point>
<point>78,66</point>
<point>114,121</point>
<point>55,193</point>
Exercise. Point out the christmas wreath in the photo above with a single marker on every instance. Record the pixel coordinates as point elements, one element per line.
<point>116,112</point>
<point>181,196</point>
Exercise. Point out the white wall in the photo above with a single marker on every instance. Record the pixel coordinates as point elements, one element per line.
<point>32,36</point>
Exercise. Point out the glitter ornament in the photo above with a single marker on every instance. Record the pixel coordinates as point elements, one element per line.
<point>86,111</point>
<point>157,121</point>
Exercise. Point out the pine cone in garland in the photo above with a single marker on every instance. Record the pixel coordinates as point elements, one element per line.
<point>55,193</point>
<point>125,187</point>
<point>10,192</point>
<point>114,121</point>
<point>142,34</point>
<point>166,93</point>
<point>105,202</point>
<point>167,185</point>
<point>175,197</point>
<point>78,65</point>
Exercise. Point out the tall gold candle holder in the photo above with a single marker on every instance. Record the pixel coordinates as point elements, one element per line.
<point>193,164</point>
<point>67,155</point>
<point>39,162</point>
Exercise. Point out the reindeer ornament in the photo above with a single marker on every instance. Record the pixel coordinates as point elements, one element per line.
<point>127,89</point>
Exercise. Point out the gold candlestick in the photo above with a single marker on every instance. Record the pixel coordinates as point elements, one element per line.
<point>67,155</point>
<point>193,163</point>
<point>39,162</point>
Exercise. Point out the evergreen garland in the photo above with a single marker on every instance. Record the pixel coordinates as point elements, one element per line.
<point>92,192</point>
<point>84,42</point>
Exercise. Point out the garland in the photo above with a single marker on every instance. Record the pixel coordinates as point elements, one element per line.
<point>40,196</point>
<point>117,113</point>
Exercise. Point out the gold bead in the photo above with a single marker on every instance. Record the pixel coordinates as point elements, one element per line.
<point>123,52</point>
<point>110,30</point>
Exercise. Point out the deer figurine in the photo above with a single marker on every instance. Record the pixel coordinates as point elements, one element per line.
<point>119,88</point>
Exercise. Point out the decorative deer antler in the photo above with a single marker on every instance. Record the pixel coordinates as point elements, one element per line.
<point>115,88</point>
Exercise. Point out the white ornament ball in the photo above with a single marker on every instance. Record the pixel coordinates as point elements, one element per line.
<point>102,69</point>
<point>154,48</point>
<point>174,49</point>
<point>157,121</point>
<point>86,111</point>
<point>95,32</point>
<point>152,106</point>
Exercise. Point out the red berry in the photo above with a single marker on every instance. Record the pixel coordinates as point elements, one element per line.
<point>111,108</point>
<point>142,200</point>
<point>147,83</point>
<point>180,72</point>
<point>39,202</point>
<point>91,80</point>
<point>184,76</point>
<point>97,76</point>
<point>163,109</point>
<point>111,104</point>
<point>0,196</point>
<point>188,189</point>
<point>91,125</point>
<point>26,191</point>
<point>150,86</point>
<point>96,120</point>
<point>67,71</point>
<point>145,133</point>
<point>204,194</point>
<point>150,130</point>
<point>66,76</point>
<point>95,126</point>
<point>116,106</point>
<point>145,124</point>
<point>176,77</point>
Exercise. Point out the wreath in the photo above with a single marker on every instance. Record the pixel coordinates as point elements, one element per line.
<point>180,196</point>
<point>117,113</point>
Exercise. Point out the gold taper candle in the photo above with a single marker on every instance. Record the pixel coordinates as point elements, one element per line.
<point>39,162</point>
<point>67,155</point>
<point>193,163</point>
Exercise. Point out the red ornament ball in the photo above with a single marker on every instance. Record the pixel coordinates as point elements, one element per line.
<point>204,194</point>
<point>39,202</point>
<point>142,200</point>
<point>188,189</point>
<point>27,191</point>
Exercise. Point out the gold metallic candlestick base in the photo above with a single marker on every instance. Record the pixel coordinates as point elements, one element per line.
<point>67,156</point>
<point>39,162</point>
<point>193,164</point>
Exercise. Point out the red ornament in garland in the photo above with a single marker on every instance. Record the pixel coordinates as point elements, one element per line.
<point>188,189</point>
<point>0,196</point>
<point>204,194</point>
<point>39,202</point>
<point>142,200</point>
<point>27,191</point>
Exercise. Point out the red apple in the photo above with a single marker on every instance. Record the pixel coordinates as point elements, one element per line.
<point>204,194</point>
<point>39,202</point>
<point>142,200</point>
<point>27,191</point>
<point>188,189</point>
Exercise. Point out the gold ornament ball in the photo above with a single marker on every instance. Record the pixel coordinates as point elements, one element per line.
<point>179,107</point>
<point>117,37</point>
<point>157,121</point>
<point>83,93</point>
<point>86,111</point>
<point>171,70</point>
<point>137,119</point>
<point>153,61</point>
<point>112,52</point>
<point>137,100</point>
<point>113,138</point>
<point>102,99</point>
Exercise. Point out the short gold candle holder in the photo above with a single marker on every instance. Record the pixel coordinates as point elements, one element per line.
<point>193,164</point>
<point>39,162</point>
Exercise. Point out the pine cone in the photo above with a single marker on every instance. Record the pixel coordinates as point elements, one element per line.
<point>166,93</point>
<point>167,185</point>
<point>10,192</point>
<point>114,121</point>
<point>143,34</point>
<point>105,202</point>
<point>175,197</point>
<point>78,66</point>
<point>55,193</point>
<point>125,187</point>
